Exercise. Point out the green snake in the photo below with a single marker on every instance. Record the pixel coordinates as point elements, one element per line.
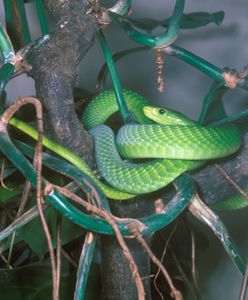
<point>172,143</point>
<point>169,142</point>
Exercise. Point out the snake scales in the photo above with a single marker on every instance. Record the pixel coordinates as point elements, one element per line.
<point>184,143</point>
<point>175,143</point>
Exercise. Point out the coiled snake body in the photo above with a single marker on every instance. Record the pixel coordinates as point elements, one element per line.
<point>175,143</point>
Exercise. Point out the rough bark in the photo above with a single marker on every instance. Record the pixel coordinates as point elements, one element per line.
<point>116,285</point>
<point>54,67</point>
<point>212,184</point>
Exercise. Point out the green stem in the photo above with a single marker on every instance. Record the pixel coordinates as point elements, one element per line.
<point>12,21</point>
<point>202,212</point>
<point>185,188</point>
<point>124,112</point>
<point>102,75</point>
<point>84,265</point>
<point>232,118</point>
<point>24,22</point>
<point>68,170</point>
<point>42,17</point>
<point>6,48</point>
<point>212,99</point>
<point>164,39</point>
<point>197,62</point>
<point>121,7</point>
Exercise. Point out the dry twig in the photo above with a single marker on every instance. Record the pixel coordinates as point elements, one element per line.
<point>231,181</point>
<point>162,259</point>
<point>160,70</point>
<point>174,292</point>
<point>7,115</point>
<point>58,255</point>
<point>110,219</point>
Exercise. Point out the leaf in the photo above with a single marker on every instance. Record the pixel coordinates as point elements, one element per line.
<point>93,290</point>
<point>34,236</point>
<point>9,168</point>
<point>6,72</point>
<point>199,19</point>
<point>188,21</point>
<point>8,193</point>
<point>213,108</point>
<point>33,282</point>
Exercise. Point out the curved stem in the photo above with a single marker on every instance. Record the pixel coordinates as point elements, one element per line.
<point>121,7</point>
<point>42,17</point>
<point>6,48</point>
<point>202,212</point>
<point>197,62</point>
<point>185,192</point>
<point>125,114</point>
<point>162,40</point>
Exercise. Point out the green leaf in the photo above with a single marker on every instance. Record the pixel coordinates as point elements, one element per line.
<point>9,169</point>
<point>213,108</point>
<point>188,21</point>
<point>34,236</point>
<point>199,19</point>
<point>33,282</point>
<point>8,193</point>
<point>93,290</point>
<point>6,72</point>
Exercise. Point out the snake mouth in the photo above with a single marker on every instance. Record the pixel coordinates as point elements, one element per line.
<point>150,112</point>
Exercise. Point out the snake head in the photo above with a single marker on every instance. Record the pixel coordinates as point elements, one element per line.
<point>165,116</point>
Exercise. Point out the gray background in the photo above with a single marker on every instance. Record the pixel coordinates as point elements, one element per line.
<point>185,88</point>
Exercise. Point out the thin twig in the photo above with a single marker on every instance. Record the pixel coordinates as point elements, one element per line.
<point>109,218</point>
<point>69,258</point>
<point>231,181</point>
<point>2,176</point>
<point>176,294</point>
<point>162,259</point>
<point>58,254</point>
<point>7,115</point>
<point>193,256</point>
<point>242,74</point>
<point>23,202</point>
<point>5,261</point>
<point>243,289</point>
<point>160,70</point>
<point>191,289</point>
<point>21,221</point>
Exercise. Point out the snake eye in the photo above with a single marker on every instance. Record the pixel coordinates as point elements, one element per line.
<point>161,111</point>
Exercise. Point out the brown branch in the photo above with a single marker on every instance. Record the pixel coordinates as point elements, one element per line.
<point>2,176</point>
<point>193,257</point>
<point>162,258</point>
<point>23,202</point>
<point>7,115</point>
<point>58,255</point>
<point>192,289</point>
<point>111,221</point>
<point>231,181</point>
<point>68,257</point>
<point>174,292</point>
<point>160,70</point>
